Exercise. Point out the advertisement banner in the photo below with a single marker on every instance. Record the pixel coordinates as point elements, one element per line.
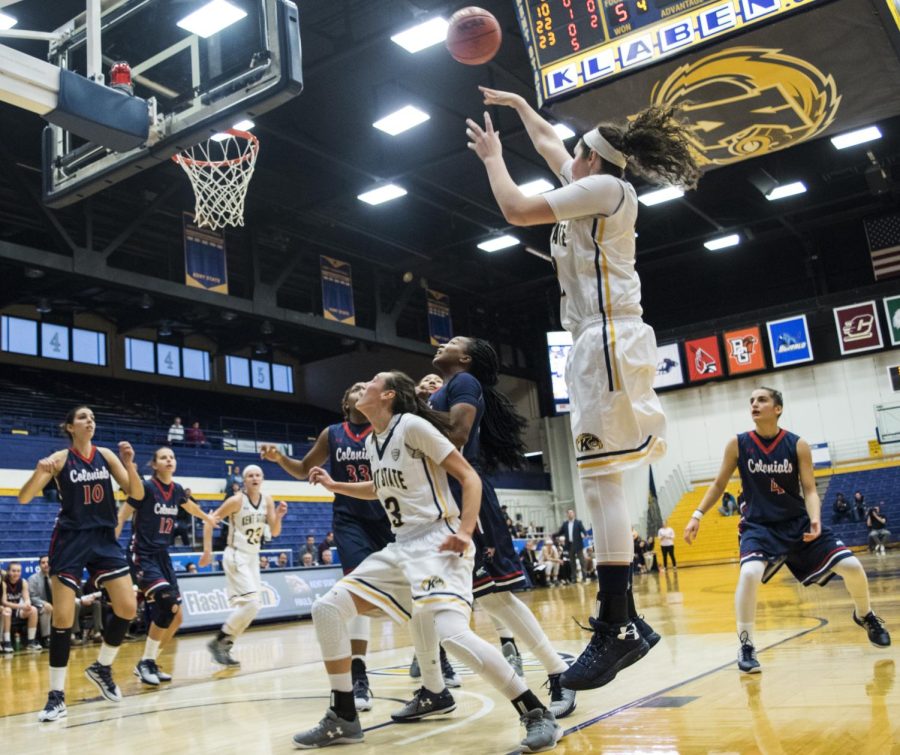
<point>892,312</point>
<point>559,344</point>
<point>337,290</point>
<point>704,360</point>
<point>205,264</point>
<point>440,326</point>
<point>789,341</point>
<point>858,328</point>
<point>744,350</point>
<point>669,370</point>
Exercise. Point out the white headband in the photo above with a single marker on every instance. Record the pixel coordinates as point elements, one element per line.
<point>595,140</point>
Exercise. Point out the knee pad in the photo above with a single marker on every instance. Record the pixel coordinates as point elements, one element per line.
<point>163,608</point>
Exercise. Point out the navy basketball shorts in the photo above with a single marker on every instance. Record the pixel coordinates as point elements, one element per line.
<point>153,572</point>
<point>358,537</point>
<point>497,565</point>
<point>96,549</point>
<point>781,543</point>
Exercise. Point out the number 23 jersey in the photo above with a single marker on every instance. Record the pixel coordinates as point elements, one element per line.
<point>409,481</point>
<point>247,525</point>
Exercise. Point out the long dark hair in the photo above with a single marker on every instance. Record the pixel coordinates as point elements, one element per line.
<point>656,142</point>
<point>70,419</point>
<point>501,426</point>
<point>406,400</point>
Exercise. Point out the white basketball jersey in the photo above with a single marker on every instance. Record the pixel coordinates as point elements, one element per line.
<point>409,481</point>
<point>593,252</point>
<point>247,525</point>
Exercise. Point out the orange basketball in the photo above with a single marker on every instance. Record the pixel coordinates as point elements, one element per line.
<point>474,36</point>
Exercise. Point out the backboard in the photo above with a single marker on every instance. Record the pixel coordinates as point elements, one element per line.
<point>203,66</point>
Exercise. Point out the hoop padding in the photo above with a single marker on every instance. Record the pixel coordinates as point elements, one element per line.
<point>220,170</point>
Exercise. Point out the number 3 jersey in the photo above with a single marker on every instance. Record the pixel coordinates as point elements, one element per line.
<point>349,462</point>
<point>247,525</point>
<point>86,492</point>
<point>153,525</point>
<point>409,481</point>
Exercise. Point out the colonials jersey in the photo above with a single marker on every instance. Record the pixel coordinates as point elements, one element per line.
<point>13,591</point>
<point>770,476</point>
<point>86,492</point>
<point>463,388</point>
<point>349,462</point>
<point>155,514</point>
<point>593,247</point>
<point>411,484</point>
<point>247,525</point>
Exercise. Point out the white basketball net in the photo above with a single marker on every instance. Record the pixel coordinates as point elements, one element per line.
<point>220,170</point>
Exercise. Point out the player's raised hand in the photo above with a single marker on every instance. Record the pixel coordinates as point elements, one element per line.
<point>318,476</point>
<point>126,452</point>
<point>269,452</point>
<point>815,529</point>
<point>281,510</point>
<point>458,542</point>
<point>205,559</point>
<point>691,530</point>
<point>499,97</point>
<point>484,142</point>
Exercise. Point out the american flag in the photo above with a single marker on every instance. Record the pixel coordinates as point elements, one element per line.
<point>883,234</point>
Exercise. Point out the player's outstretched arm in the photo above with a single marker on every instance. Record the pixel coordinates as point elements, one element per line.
<point>362,490</point>
<point>126,511</point>
<point>454,464</point>
<point>193,508</point>
<point>124,470</point>
<point>228,507</point>
<point>46,469</point>
<point>729,464</point>
<point>810,494</point>
<point>299,468</point>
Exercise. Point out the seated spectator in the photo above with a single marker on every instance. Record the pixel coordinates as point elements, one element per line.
<point>590,563</point>
<point>859,507</point>
<point>282,562</point>
<point>41,594</point>
<point>184,524</point>
<point>263,563</point>
<point>191,568</point>
<point>879,534</point>
<point>551,560</point>
<point>327,558</point>
<point>194,436</point>
<point>234,476</point>
<point>307,559</point>
<point>729,504</point>
<point>841,509</point>
<point>637,563</point>
<point>325,545</point>
<point>18,612</point>
<point>89,619</point>
<point>175,436</point>
<point>531,562</point>
<point>567,568</point>
<point>510,526</point>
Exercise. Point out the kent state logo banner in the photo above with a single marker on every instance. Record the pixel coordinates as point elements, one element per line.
<point>704,360</point>
<point>858,328</point>
<point>744,350</point>
<point>789,341</point>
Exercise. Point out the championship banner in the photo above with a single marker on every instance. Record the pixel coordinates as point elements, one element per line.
<point>792,75</point>
<point>858,328</point>
<point>440,326</point>
<point>892,312</point>
<point>704,360</point>
<point>789,341</point>
<point>337,290</point>
<point>205,263</point>
<point>669,371</point>
<point>744,350</point>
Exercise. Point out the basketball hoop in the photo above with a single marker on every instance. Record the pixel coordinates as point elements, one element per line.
<point>220,170</point>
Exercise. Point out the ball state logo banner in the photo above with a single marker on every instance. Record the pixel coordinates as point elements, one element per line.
<point>892,312</point>
<point>337,290</point>
<point>744,350</point>
<point>789,341</point>
<point>440,326</point>
<point>704,360</point>
<point>205,263</point>
<point>858,328</point>
<point>669,369</point>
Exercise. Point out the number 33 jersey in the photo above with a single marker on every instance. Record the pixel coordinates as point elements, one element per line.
<point>409,481</point>
<point>247,525</point>
<point>153,525</point>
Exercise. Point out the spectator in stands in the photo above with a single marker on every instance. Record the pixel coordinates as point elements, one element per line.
<point>510,526</point>
<point>879,535</point>
<point>666,537</point>
<point>590,564</point>
<point>234,477</point>
<point>326,545</point>
<point>566,568</point>
<point>859,507</point>
<point>531,562</point>
<point>327,558</point>
<point>550,559</point>
<point>41,598</point>
<point>282,560</point>
<point>175,436</point>
<point>191,568</point>
<point>307,559</point>
<point>18,612</point>
<point>573,533</point>
<point>729,505</point>
<point>184,523</point>
<point>840,508</point>
<point>310,548</point>
<point>640,546</point>
<point>263,562</point>
<point>195,436</point>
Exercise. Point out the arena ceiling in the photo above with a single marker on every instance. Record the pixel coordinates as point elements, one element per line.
<point>320,151</point>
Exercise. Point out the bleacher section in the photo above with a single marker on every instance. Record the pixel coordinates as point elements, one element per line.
<point>876,485</point>
<point>718,539</point>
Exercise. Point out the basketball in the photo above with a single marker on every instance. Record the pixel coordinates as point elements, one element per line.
<point>474,36</point>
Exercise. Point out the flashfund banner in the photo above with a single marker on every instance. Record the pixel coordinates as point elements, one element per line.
<point>205,264</point>
<point>337,290</point>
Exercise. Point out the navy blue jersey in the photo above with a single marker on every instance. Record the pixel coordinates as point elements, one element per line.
<point>153,525</point>
<point>86,492</point>
<point>462,388</point>
<point>770,475</point>
<point>349,462</point>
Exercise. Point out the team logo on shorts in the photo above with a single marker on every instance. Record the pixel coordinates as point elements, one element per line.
<point>432,583</point>
<point>395,454</point>
<point>588,442</point>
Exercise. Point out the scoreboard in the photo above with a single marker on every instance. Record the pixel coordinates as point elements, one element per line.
<point>573,44</point>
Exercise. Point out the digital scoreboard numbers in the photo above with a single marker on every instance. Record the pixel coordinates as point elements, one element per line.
<point>574,44</point>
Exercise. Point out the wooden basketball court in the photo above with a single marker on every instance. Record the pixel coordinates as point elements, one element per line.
<point>823,688</point>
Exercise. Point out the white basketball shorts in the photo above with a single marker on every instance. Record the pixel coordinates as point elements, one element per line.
<point>242,575</point>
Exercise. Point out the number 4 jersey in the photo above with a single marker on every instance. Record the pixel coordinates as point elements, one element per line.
<point>247,525</point>
<point>86,492</point>
<point>155,514</point>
